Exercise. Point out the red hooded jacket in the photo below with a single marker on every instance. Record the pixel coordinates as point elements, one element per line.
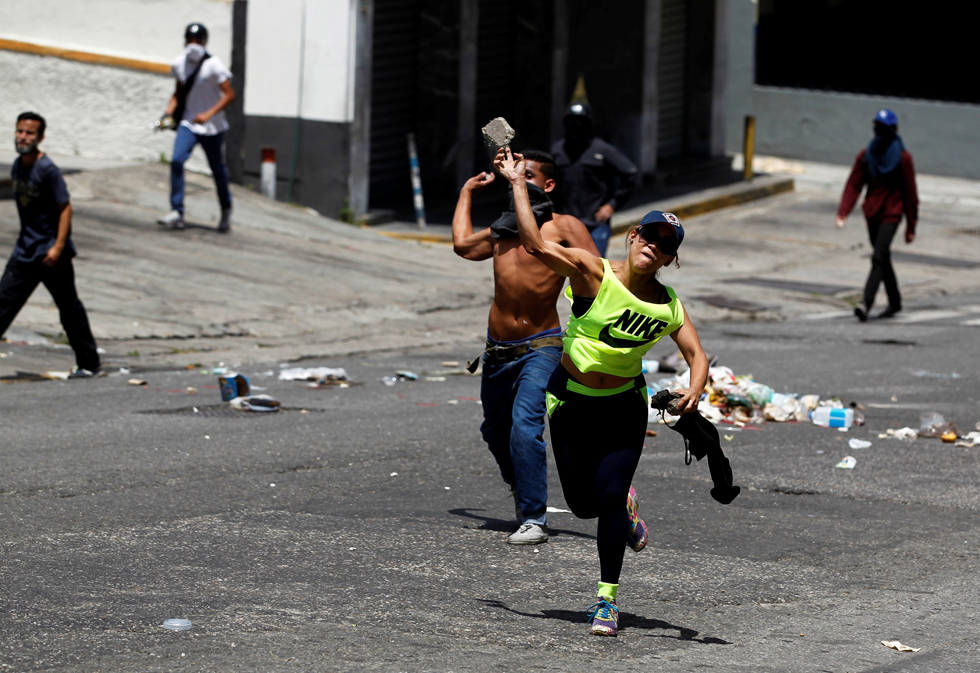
<point>888,197</point>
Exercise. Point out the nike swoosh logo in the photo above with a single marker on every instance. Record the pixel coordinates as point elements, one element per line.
<point>608,339</point>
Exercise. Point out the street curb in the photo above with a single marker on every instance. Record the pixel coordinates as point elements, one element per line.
<point>420,237</point>
<point>706,203</point>
<point>703,202</point>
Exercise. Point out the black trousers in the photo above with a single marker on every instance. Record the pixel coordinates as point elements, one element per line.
<point>20,280</point>
<point>881,235</point>
<point>597,442</point>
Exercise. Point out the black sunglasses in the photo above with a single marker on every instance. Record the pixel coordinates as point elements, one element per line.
<point>666,242</point>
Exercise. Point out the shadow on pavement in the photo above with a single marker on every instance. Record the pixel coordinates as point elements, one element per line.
<point>626,620</point>
<point>507,526</point>
<point>202,227</point>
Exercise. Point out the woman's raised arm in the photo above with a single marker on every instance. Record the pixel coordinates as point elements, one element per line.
<point>583,268</point>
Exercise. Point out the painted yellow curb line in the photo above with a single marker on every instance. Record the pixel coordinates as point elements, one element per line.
<point>85,57</point>
<point>719,202</point>
<point>683,211</point>
<point>422,238</point>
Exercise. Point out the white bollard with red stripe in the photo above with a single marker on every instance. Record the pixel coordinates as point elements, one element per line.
<point>267,179</point>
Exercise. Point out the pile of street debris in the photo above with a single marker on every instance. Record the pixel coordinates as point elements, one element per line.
<point>740,400</point>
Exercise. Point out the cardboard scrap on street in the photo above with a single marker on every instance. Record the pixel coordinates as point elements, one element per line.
<point>895,645</point>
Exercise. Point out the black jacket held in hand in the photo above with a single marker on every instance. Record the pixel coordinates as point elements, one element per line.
<point>701,439</point>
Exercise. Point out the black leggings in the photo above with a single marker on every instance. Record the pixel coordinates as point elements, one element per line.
<point>597,442</point>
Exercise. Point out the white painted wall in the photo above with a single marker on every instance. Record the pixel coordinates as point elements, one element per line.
<point>275,35</point>
<point>92,111</point>
<point>96,111</point>
<point>150,30</point>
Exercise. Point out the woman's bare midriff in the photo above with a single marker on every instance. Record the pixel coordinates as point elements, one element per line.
<point>597,380</point>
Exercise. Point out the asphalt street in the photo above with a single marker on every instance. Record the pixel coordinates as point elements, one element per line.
<point>367,532</point>
<point>362,528</point>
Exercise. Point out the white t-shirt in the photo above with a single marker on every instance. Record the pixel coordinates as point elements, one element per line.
<point>205,92</point>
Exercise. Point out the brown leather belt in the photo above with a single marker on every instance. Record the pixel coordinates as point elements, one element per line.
<point>513,351</point>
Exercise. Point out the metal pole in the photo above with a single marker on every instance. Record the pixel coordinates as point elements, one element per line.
<point>360,131</point>
<point>469,34</point>
<point>748,152</point>
<point>413,160</point>
<point>299,104</point>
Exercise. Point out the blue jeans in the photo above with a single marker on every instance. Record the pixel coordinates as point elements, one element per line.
<point>600,236</point>
<point>513,425</point>
<point>214,149</point>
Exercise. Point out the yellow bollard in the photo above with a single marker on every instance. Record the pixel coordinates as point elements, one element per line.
<point>748,152</point>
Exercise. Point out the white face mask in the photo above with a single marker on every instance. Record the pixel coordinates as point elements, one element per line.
<point>194,51</point>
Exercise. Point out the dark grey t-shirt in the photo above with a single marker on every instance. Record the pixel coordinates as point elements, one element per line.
<point>40,191</point>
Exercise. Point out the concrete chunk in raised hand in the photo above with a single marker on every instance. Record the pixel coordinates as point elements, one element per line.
<point>498,133</point>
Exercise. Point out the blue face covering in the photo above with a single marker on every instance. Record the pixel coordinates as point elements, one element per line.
<point>884,154</point>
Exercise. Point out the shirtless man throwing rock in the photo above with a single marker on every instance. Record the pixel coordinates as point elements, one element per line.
<point>523,337</point>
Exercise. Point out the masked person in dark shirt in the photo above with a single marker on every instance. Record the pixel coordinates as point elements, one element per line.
<point>595,178</point>
<point>887,169</point>
<point>44,248</point>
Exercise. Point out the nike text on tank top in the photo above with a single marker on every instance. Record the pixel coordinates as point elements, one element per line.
<point>618,330</point>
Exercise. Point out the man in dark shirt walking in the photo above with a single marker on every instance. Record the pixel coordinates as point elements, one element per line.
<point>887,169</point>
<point>44,248</point>
<point>596,179</point>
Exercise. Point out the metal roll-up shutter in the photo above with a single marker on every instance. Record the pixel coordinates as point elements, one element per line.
<point>494,85</point>
<point>394,99</point>
<point>672,78</point>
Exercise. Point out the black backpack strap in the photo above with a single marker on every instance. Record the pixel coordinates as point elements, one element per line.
<point>185,91</point>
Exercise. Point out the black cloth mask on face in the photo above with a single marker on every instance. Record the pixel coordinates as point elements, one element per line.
<point>505,226</point>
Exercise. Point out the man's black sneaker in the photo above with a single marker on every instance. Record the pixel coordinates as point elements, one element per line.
<point>861,315</point>
<point>888,313</point>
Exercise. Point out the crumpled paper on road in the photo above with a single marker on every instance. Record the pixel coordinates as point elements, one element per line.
<point>321,374</point>
<point>255,403</point>
<point>895,645</point>
<point>969,440</point>
<point>901,433</point>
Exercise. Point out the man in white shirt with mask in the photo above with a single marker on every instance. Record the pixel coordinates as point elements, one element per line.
<point>203,92</point>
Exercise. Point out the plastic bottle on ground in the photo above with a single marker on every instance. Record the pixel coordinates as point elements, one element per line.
<point>832,418</point>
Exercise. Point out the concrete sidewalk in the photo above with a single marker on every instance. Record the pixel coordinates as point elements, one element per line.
<point>288,283</point>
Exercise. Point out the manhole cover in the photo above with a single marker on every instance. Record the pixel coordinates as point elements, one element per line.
<point>223,410</point>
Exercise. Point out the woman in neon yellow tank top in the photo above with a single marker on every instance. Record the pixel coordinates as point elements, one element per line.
<point>597,401</point>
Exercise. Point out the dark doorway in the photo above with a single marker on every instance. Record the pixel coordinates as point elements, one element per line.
<point>394,99</point>
<point>415,89</point>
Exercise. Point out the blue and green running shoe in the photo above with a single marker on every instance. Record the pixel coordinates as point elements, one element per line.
<point>604,617</point>
<point>637,535</point>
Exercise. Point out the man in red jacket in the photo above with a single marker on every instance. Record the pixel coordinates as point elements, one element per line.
<point>886,168</point>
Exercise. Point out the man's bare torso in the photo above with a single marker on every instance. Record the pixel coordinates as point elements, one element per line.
<point>525,290</point>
